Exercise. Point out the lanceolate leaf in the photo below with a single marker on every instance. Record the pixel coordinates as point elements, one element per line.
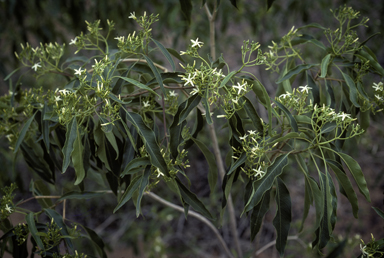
<point>227,78</point>
<point>156,73</point>
<point>379,212</point>
<point>80,195</point>
<point>175,54</point>
<point>258,214</point>
<point>135,163</point>
<point>289,116</point>
<point>192,102</point>
<point>295,71</point>
<point>239,162</point>
<point>265,183</point>
<point>23,132</point>
<point>97,240</point>
<point>77,158</point>
<point>353,95</point>
<point>251,111</point>
<point>143,184</point>
<point>192,200</point>
<point>263,95</point>
<point>207,111</point>
<point>345,184</point>
<point>133,186</point>
<point>282,220</point>
<point>165,53</point>
<point>70,138</point>
<point>186,9</point>
<point>324,65</point>
<point>45,127</point>
<point>149,139</point>
<point>33,230</point>
<point>212,173</point>
<point>357,174</point>
<point>175,131</point>
<point>138,84</point>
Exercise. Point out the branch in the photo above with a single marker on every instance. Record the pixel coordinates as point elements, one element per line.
<point>274,242</point>
<point>193,214</point>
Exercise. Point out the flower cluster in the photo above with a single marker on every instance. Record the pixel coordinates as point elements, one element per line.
<point>297,100</point>
<point>193,48</point>
<point>232,101</point>
<point>247,50</point>
<point>21,231</point>
<point>379,93</point>
<point>6,202</point>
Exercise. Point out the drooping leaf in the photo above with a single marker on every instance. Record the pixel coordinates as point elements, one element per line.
<point>77,157</point>
<point>288,115</point>
<point>156,73</point>
<point>191,103</point>
<point>233,2</point>
<point>365,56</point>
<point>192,200</point>
<point>135,163</point>
<point>379,212</point>
<point>80,195</point>
<point>345,184</point>
<point>213,170</point>
<point>258,214</point>
<point>165,53</point>
<point>133,186</point>
<point>186,9</point>
<point>266,182</point>
<point>353,95</point>
<point>282,220</point>
<point>138,84</point>
<point>238,163</point>
<point>324,65</point>
<point>263,95</point>
<point>227,78</point>
<point>251,111</point>
<point>70,138</point>
<point>175,131</point>
<point>295,71</point>
<point>269,4</point>
<point>207,110</point>
<point>314,89</point>
<point>45,127</point>
<point>175,54</point>
<point>97,240</point>
<point>149,139</point>
<point>197,127</point>
<point>23,132</point>
<point>29,218</point>
<point>144,180</point>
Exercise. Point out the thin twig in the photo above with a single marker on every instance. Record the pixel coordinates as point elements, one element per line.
<point>274,242</point>
<point>193,214</point>
<point>39,197</point>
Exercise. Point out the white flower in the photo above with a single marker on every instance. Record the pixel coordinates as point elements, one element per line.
<point>188,80</point>
<point>196,90</point>
<point>196,43</point>
<point>64,92</point>
<point>172,93</point>
<point>78,71</point>
<point>57,98</point>
<point>239,87</point>
<point>305,88</point>
<point>159,173</point>
<point>343,116</point>
<point>73,41</point>
<point>243,137</point>
<point>36,66</point>
<point>362,249</point>
<point>146,104</point>
<point>378,86</point>
<point>7,208</point>
<point>235,100</point>
<point>132,16</point>
<point>251,132</point>
<point>183,53</point>
<point>121,39</point>
<point>287,94</point>
<point>259,172</point>
<point>378,97</point>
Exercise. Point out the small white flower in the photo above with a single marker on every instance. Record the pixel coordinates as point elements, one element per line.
<point>9,137</point>
<point>146,104</point>
<point>235,100</point>
<point>64,92</point>
<point>188,80</point>
<point>121,39</point>
<point>243,137</point>
<point>57,98</point>
<point>73,41</point>
<point>7,208</point>
<point>378,86</point>
<point>305,88</point>
<point>159,173</point>
<point>362,249</point>
<point>287,94</point>
<point>251,132</point>
<point>78,71</point>
<point>132,16</point>
<point>172,93</point>
<point>259,172</point>
<point>239,87</point>
<point>196,90</point>
<point>378,97</point>
<point>183,53</point>
<point>36,66</point>
<point>343,116</point>
<point>197,43</point>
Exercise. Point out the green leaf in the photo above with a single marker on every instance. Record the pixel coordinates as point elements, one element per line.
<point>264,98</point>
<point>251,111</point>
<point>70,138</point>
<point>212,172</point>
<point>175,54</point>
<point>357,174</point>
<point>192,200</point>
<point>227,78</point>
<point>289,116</point>
<point>175,131</point>
<point>191,103</point>
<point>379,212</point>
<point>186,9</point>
<point>345,184</point>
<point>135,163</point>
<point>165,53</point>
<point>116,99</point>
<point>282,220</point>
<point>144,180</point>
<point>133,186</point>
<point>23,132</point>
<point>364,56</point>
<point>112,140</point>
<point>45,127</point>
<point>266,182</point>
<point>288,136</point>
<point>207,110</point>
<point>138,84</point>
<point>9,75</point>
<point>238,163</point>
<point>149,139</point>
<point>295,71</point>
<point>58,219</point>
<point>97,240</point>
<point>156,73</point>
<point>29,218</point>
<point>258,214</point>
<point>80,195</point>
<point>324,65</point>
<point>77,157</point>
<point>353,95</point>
<point>329,127</point>
<point>269,4</point>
